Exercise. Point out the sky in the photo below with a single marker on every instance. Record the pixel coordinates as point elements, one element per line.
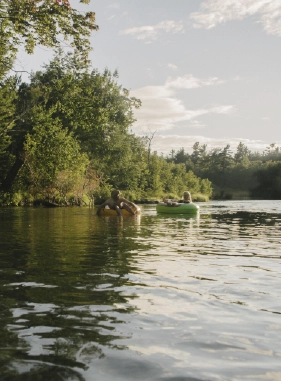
<point>206,71</point>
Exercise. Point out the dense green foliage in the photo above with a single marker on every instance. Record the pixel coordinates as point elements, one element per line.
<point>8,96</point>
<point>29,23</point>
<point>235,175</point>
<point>65,136</point>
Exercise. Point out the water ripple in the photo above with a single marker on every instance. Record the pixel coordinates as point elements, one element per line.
<point>153,298</point>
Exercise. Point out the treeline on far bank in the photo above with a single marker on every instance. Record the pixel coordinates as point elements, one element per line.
<point>65,139</point>
<point>235,175</point>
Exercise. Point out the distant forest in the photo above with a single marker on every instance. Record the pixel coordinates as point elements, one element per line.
<point>239,174</point>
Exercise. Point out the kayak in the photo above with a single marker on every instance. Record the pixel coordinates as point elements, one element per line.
<point>112,212</point>
<point>178,208</point>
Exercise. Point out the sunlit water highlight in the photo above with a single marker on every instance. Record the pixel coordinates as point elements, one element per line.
<point>151,297</point>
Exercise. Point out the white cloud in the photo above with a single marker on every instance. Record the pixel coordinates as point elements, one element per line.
<point>196,124</point>
<point>162,110</point>
<point>225,109</point>
<point>150,33</point>
<point>172,66</point>
<point>152,92</point>
<point>190,82</point>
<point>214,12</point>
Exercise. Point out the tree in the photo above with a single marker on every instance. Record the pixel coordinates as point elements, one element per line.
<point>195,156</point>
<point>150,135</point>
<point>272,153</point>
<point>20,123</point>
<point>8,98</point>
<point>225,159</point>
<point>93,107</point>
<point>49,151</point>
<point>269,182</point>
<point>242,152</point>
<point>8,101</point>
<point>180,156</point>
<point>206,187</point>
<point>29,23</point>
<point>127,164</point>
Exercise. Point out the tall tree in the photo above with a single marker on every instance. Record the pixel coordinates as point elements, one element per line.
<point>29,23</point>
<point>92,106</point>
<point>49,150</point>
<point>8,98</point>
<point>242,152</point>
<point>273,152</point>
<point>269,182</point>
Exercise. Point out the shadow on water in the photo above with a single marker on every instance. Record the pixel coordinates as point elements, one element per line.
<point>248,217</point>
<point>40,372</point>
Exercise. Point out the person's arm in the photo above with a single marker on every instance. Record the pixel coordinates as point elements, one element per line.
<point>101,206</point>
<point>129,202</point>
<point>131,206</point>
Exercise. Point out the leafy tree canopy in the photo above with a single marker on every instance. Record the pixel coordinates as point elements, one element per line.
<point>29,23</point>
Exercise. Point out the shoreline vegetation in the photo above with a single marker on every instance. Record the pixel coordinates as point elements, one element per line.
<point>65,135</point>
<point>81,203</point>
<point>65,140</point>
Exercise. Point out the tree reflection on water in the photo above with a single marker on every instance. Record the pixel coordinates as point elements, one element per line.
<point>62,284</point>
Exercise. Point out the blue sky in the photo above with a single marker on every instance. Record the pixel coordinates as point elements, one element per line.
<point>206,71</point>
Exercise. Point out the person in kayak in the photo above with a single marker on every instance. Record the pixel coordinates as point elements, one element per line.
<point>116,202</point>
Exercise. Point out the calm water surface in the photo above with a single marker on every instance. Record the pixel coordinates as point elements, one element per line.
<point>151,297</point>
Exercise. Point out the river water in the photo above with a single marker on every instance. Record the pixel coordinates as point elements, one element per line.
<point>150,297</point>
